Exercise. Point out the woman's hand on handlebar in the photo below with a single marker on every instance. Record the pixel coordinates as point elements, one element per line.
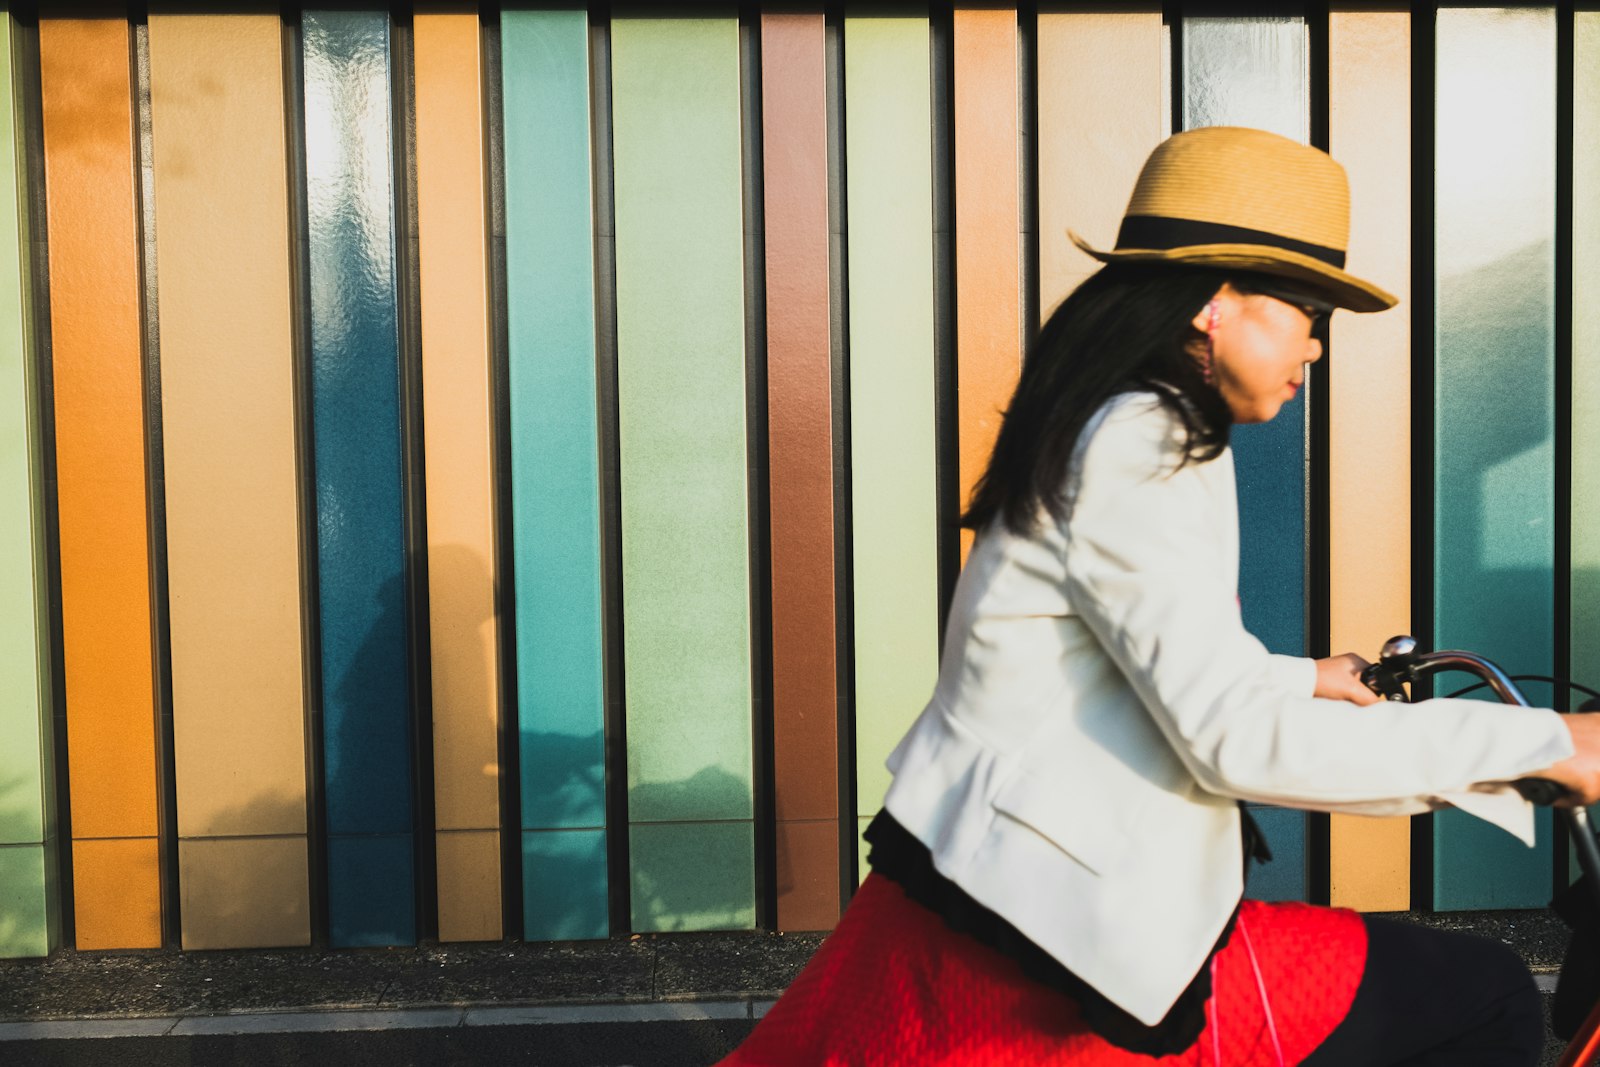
<point>1580,772</point>
<point>1339,678</point>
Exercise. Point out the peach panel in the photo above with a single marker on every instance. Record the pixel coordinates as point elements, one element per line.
<point>95,320</point>
<point>463,622</point>
<point>244,891</point>
<point>228,413</point>
<point>469,877</point>
<point>988,234</point>
<point>116,892</point>
<point>1101,108</point>
<point>1369,437</point>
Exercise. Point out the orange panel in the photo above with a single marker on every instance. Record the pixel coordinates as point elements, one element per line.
<point>228,424</point>
<point>464,624</point>
<point>988,234</point>
<point>100,466</point>
<point>116,892</point>
<point>1369,432</point>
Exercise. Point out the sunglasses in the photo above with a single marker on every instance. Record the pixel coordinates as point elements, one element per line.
<point>1312,308</point>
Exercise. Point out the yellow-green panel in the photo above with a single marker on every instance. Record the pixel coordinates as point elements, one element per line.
<point>1585,636</point>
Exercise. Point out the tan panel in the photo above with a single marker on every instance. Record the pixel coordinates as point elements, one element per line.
<point>988,234</point>
<point>463,623</point>
<point>1100,114</point>
<point>222,245</point>
<point>244,892</point>
<point>1369,59</point>
<point>469,885</point>
<point>116,893</point>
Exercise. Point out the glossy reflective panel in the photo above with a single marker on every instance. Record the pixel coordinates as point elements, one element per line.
<point>555,478</point>
<point>26,821</point>
<point>366,695</point>
<point>1494,394</point>
<point>1252,72</point>
<point>681,438</point>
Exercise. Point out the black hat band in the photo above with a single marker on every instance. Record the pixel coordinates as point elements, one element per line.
<point>1159,232</point>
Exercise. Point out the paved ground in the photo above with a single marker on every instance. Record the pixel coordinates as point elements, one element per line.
<point>660,1001</point>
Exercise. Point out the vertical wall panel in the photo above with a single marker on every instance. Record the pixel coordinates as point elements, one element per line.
<point>1251,71</point>
<point>1102,109</point>
<point>889,179</point>
<point>1585,637</point>
<point>228,413</point>
<point>355,380</point>
<point>1369,432</point>
<point>96,353</point>
<point>555,476</point>
<point>1494,399</point>
<point>988,234</point>
<point>681,398</point>
<point>463,612</point>
<point>29,901</point>
<point>800,458</point>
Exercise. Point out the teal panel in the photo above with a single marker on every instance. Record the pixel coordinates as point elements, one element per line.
<point>555,477</point>
<point>565,882</point>
<point>693,876</point>
<point>26,926</point>
<point>1252,72</point>
<point>681,398</point>
<point>29,912</point>
<point>893,444</point>
<point>1284,877</point>
<point>1494,399</point>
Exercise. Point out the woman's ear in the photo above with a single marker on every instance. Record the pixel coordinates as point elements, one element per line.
<point>1202,318</point>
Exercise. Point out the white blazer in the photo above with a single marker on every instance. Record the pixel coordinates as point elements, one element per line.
<point>1100,706</point>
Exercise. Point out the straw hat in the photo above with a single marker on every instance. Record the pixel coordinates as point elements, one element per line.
<point>1229,197</point>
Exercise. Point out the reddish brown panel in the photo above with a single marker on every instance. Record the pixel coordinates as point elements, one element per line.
<point>800,418</point>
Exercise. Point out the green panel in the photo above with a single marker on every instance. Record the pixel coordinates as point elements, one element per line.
<point>681,400</point>
<point>889,190</point>
<point>1586,351</point>
<point>1494,398</point>
<point>693,876</point>
<point>25,815</point>
<point>27,927</point>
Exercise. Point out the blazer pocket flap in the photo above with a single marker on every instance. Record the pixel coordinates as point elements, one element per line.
<point>1076,817</point>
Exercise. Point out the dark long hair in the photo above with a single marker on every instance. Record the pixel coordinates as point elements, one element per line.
<point>1129,327</point>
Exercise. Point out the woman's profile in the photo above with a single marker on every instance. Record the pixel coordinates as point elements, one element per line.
<point>1058,868</point>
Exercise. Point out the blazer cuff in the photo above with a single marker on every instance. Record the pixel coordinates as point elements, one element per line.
<point>1295,675</point>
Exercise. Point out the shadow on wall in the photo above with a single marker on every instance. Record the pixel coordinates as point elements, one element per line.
<point>247,891</point>
<point>692,875</point>
<point>22,888</point>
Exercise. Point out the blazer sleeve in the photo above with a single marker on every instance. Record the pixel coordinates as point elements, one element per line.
<point>1144,567</point>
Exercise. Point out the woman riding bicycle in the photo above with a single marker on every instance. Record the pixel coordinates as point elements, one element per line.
<point>1059,864</point>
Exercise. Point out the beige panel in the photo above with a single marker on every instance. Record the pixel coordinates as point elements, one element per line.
<point>469,885</point>
<point>456,416</point>
<point>1370,423</point>
<point>244,892</point>
<point>222,240</point>
<point>1101,111</point>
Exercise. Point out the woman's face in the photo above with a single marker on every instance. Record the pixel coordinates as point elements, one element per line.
<point>1260,346</point>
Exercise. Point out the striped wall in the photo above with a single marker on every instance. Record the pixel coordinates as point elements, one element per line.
<point>494,469</point>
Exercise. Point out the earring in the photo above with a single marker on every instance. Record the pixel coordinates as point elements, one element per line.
<point>1211,329</point>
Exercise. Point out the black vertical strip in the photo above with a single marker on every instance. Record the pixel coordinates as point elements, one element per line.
<point>946,413</point>
<point>402,68</point>
<point>843,558</point>
<point>30,132</point>
<point>155,476</point>
<point>1172,18</point>
<point>618,861</point>
<point>1422,313</point>
<point>305,472</point>
<point>1028,176</point>
<point>1565,133</point>
<point>500,460</point>
<point>1318,564</point>
<point>758,471</point>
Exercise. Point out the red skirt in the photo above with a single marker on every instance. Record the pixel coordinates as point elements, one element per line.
<point>894,985</point>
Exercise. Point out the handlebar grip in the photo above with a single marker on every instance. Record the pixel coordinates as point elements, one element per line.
<point>1541,791</point>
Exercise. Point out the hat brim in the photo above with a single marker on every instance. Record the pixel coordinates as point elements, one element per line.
<point>1342,289</point>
